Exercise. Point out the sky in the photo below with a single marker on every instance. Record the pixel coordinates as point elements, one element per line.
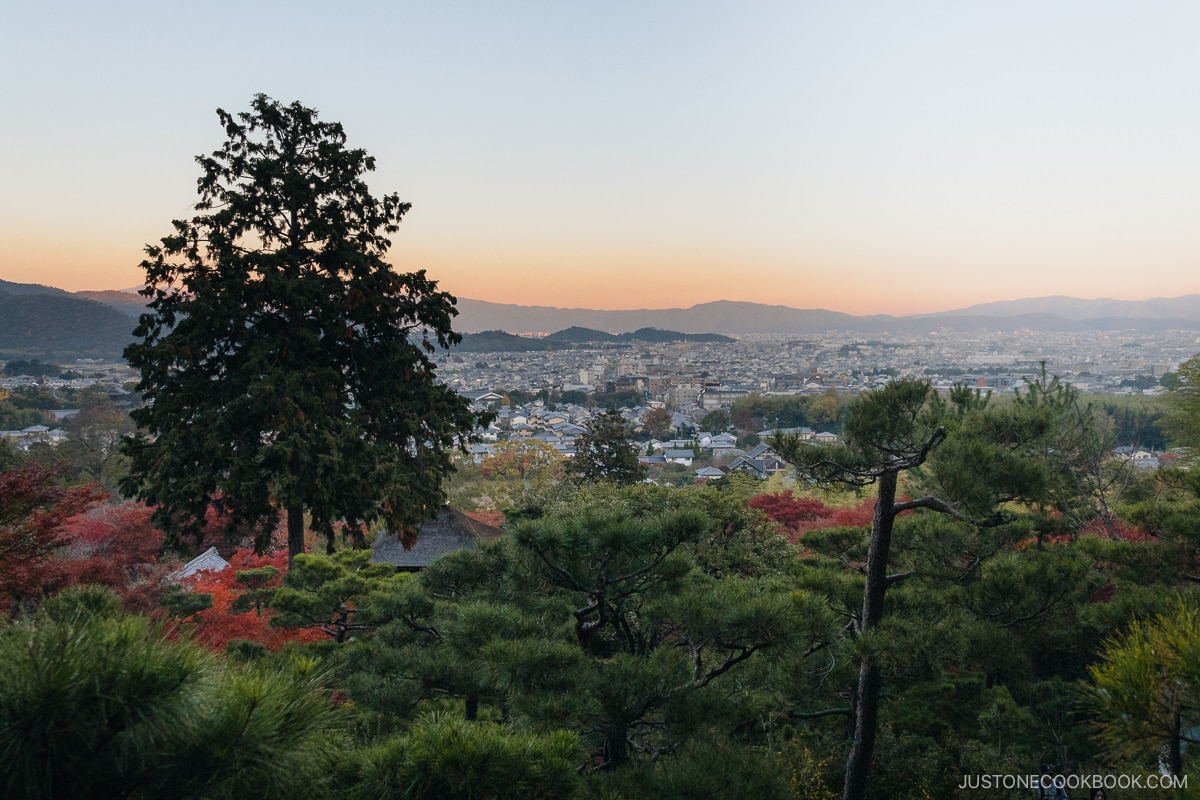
<point>866,157</point>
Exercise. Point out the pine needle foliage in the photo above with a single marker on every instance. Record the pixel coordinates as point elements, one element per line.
<point>97,704</point>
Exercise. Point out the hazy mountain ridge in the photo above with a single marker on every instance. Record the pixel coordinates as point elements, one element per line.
<point>722,316</point>
<point>1184,307</point>
<point>735,318</point>
<point>10,288</point>
<point>43,321</point>
<point>134,305</point>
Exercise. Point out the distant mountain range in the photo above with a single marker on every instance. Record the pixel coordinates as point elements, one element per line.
<point>1186,307</point>
<point>46,322</point>
<point>735,318</point>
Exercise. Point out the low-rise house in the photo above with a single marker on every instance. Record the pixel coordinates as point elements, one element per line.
<point>722,441</point>
<point>483,398</point>
<point>1139,457</point>
<point>34,434</point>
<point>763,467</point>
<point>804,433</point>
<point>762,450</point>
<point>708,474</point>
<point>684,457</point>
<point>480,452</point>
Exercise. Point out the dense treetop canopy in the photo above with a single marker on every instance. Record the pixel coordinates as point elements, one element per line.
<point>284,362</point>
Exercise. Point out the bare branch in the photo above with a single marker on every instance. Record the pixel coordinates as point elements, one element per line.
<point>829,712</point>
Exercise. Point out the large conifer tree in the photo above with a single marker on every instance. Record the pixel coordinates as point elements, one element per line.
<point>285,364</point>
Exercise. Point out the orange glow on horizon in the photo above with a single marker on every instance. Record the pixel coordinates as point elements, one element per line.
<point>608,279</point>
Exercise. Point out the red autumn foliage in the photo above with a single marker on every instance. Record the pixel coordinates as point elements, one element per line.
<point>799,515</point>
<point>1100,526</point>
<point>789,510</point>
<point>219,531</point>
<point>859,516</point>
<point>32,512</point>
<point>493,518</point>
<point>119,547</point>
<point>1114,528</point>
<point>215,627</point>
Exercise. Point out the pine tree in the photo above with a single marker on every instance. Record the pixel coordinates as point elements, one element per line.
<point>977,458</point>
<point>1182,423</point>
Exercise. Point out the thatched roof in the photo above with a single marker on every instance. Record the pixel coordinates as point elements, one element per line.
<point>450,531</point>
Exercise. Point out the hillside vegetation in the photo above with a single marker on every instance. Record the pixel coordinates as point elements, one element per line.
<point>61,327</point>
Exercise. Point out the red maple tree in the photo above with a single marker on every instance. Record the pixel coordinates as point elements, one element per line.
<point>215,627</point>
<point>116,545</point>
<point>33,509</point>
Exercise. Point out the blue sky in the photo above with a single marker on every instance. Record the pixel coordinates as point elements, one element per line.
<point>866,157</point>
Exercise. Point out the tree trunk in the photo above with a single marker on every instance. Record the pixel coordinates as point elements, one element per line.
<point>616,745</point>
<point>295,529</point>
<point>1175,746</point>
<point>471,707</point>
<point>870,678</point>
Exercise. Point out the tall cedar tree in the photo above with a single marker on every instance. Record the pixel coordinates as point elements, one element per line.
<point>285,364</point>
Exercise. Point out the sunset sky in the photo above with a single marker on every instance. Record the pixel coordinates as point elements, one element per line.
<point>867,157</point>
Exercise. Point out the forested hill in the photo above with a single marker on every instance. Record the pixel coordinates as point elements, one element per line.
<point>55,325</point>
<point>659,335</point>
<point>129,303</point>
<point>589,335</point>
<point>500,341</point>
<point>19,289</point>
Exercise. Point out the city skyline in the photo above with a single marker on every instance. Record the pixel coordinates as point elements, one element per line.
<point>866,160</point>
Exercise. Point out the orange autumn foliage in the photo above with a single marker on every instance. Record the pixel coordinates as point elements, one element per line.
<point>215,627</point>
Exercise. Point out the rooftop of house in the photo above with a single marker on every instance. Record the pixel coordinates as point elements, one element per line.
<point>449,532</point>
<point>208,561</point>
